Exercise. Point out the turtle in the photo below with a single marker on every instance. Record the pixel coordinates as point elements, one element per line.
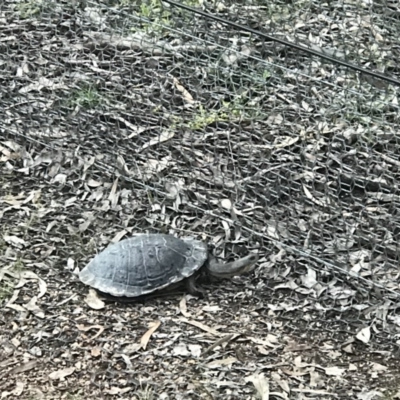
<point>148,263</point>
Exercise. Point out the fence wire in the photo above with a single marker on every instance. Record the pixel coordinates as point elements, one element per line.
<point>145,116</point>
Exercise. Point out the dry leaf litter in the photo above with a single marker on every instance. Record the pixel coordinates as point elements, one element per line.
<point>111,124</point>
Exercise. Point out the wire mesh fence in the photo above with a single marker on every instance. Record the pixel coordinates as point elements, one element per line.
<point>122,116</point>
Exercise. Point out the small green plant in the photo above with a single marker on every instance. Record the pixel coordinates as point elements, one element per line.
<point>266,74</point>
<point>205,117</point>
<point>145,394</point>
<point>153,17</point>
<point>5,290</point>
<point>87,97</point>
<point>148,9</point>
<point>243,108</point>
<point>29,8</point>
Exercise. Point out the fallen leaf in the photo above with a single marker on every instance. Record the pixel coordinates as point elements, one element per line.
<point>378,367</point>
<point>195,350</point>
<point>173,189</point>
<point>93,183</point>
<point>288,141</point>
<point>36,351</point>
<point>211,308</point>
<point>183,307</point>
<point>272,341</point>
<point>127,361</point>
<point>122,167</point>
<point>84,225</point>
<point>119,236</point>
<point>261,384</point>
<point>34,308</point>
<point>348,349</point>
<point>219,342</point>
<point>281,382</point>
<point>114,195</point>
<point>202,326</point>
<point>180,350</point>
<point>318,201</point>
<point>186,95</point>
<point>132,348</point>
<point>371,395</point>
<point>88,162</point>
<point>309,280</point>
<point>43,82</point>
<point>93,301</point>
<point>225,361</point>
<point>84,328</point>
<point>62,373</point>
<point>146,337</point>
<point>334,371</point>
<point>95,351</point>
<point>115,390</point>
<point>154,166</point>
<point>163,137</point>
<point>19,388</point>
<point>70,264</point>
<point>24,275</point>
<point>226,203</point>
<point>315,378</point>
<point>262,350</point>
<point>364,335</point>
<point>15,240</point>
<point>24,367</point>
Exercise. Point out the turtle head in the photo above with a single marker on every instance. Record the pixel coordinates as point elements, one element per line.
<point>234,268</point>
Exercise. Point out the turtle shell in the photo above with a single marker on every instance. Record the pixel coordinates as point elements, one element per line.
<point>143,264</point>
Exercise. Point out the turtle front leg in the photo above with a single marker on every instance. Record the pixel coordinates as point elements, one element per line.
<point>193,289</point>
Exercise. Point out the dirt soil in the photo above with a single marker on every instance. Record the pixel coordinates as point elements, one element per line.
<point>112,125</point>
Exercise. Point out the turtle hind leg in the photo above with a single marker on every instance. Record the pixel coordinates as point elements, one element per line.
<point>193,289</point>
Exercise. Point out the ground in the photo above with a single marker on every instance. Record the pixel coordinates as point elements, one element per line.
<point>112,124</point>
